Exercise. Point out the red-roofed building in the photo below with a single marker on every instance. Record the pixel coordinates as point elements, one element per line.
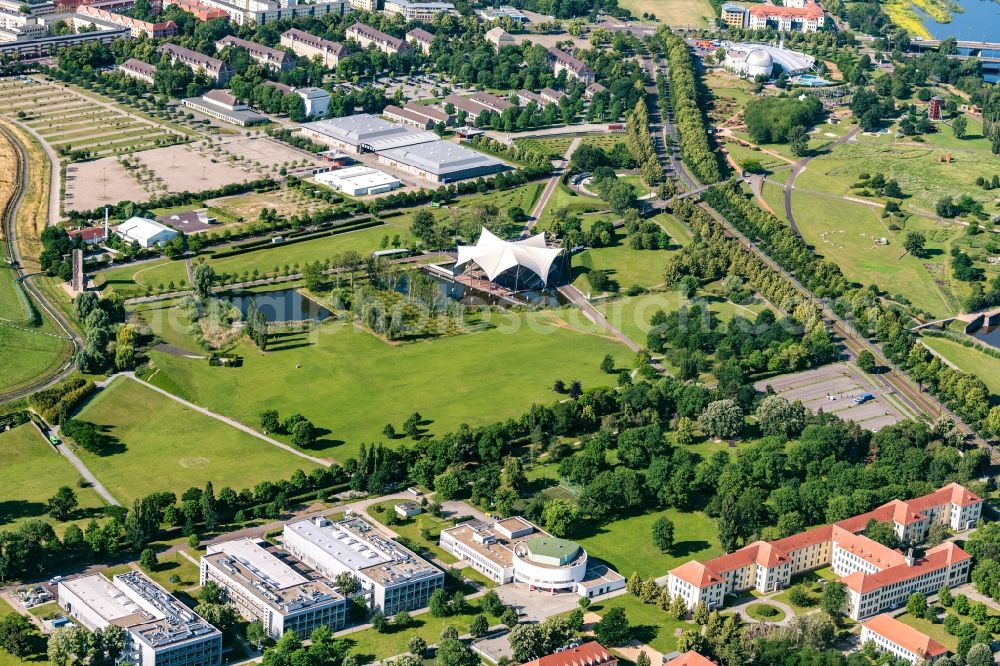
<point>890,635</point>
<point>877,577</point>
<point>808,18</point>
<point>587,654</point>
<point>89,235</point>
<point>690,658</point>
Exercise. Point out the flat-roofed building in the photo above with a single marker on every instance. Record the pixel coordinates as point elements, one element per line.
<point>876,577</point>
<point>421,39</point>
<point>138,69</point>
<point>573,66</point>
<point>359,181</point>
<point>393,578</point>
<point>161,631</point>
<point>504,11</point>
<point>364,133</point>
<point>366,36</point>
<point>317,101</point>
<point>735,16</point>
<point>418,11</point>
<point>441,161</point>
<point>274,59</point>
<point>405,117</point>
<point>365,5</point>
<point>145,232</point>
<point>499,38</point>
<point>224,106</point>
<point>267,590</point>
<point>217,70</point>
<point>901,640</point>
<point>307,45</point>
<point>247,12</point>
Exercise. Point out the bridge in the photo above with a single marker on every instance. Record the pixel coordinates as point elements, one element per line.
<point>967,49</point>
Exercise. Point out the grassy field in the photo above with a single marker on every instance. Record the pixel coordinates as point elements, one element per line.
<point>696,14</point>
<point>7,659</point>
<point>26,351</point>
<point>350,382</point>
<point>563,197</point>
<point>648,624</point>
<point>412,528</point>
<point>935,631</point>
<point>180,447</point>
<point>31,473</point>
<point>844,232</point>
<point>968,360</point>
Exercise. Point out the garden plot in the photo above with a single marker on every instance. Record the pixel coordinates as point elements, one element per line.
<point>833,388</point>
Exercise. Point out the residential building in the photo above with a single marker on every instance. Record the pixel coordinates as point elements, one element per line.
<point>590,653</point>
<point>421,39</point>
<point>364,133</point>
<point>34,39</point>
<point>515,550</point>
<point>309,46</point>
<point>406,117</point>
<point>216,69</point>
<point>901,640</point>
<point>274,59</point>
<point>431,113</point>
<point>160,630</point>
<point>499,38</point>
<point>246,12</point>
<point>365,5</point>
<point>138,28</point>
<point>808,18</point>
<point>201,11</point>
<point>317,101</point>
<point>573,66</point>
<point>359,181</point>
<point>264,589</point>
<point>138,69</point>
<point>418,11</point>
<point>690,658</point>
<point>876,577</point>
<point>145,232</point>
<point>526,97</point>
<point>552,96</point>
<point>367,36</point>
<point>392,577</point>
<point>504,11</point>
<point>593,89</point>
<point>735,16</point>
<point>224,106</point>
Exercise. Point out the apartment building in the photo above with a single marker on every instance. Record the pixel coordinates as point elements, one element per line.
<point>138,28</point>
<point>876,577</point>
<point>138,69</point>
<point>368,36</point>
<point>263,588</point>
<point>161,631</point>
<point>246,12</point>
<point>735,16</point>
<point>421,39</point>
<point>901,640</point>
<point>216,69</point>
<point>309,46</point>
<point>274,59</point>
<point>807,18</point>
<point>500,38</point>
<point>573,66</point>
<point>392,577</point>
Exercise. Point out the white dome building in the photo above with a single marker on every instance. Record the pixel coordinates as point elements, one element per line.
<point>751,64</point>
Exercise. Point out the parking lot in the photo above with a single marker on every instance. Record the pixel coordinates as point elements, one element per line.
<point>836,389</point>
<point>420,87</point>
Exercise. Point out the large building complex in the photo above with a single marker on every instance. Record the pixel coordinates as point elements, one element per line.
<point>441,161</point>
<point>368,36</point>
<point>309,46</point>
<point>245,12</point>
<point>393,578</point>
<point>161,630</point>
<point>32,36</point>
<point>573,66</point>
<point>274,59</point>
<point>224,106</point>
<point>265,589</point>
<point>364,133</point>
<point>138,28</point>
<point>514,550</point>
<point>901,640</point>
<point>807,18</point>
<point>215,69</point>
<point>358,181</point>
<point>876,577</point>
<point>417,11</point>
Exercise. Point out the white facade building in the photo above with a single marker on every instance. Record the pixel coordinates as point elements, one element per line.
<point>161,631</point>
<point>358,181</point>
<point>265,589</point>
<point>901,640</point>
<point>145,232</point>
<point>393,578</point>
<point>317,101</point>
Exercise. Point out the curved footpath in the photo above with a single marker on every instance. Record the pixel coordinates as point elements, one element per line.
<point>798,168</point>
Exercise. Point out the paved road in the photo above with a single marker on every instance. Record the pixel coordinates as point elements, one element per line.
<point>798,168</point>
<point>559,167</point>
<point>70,455</point>
<point>325,462</point>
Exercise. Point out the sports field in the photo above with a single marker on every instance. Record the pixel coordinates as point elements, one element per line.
<point>166,446</point>
<point>31,473</point>
<point>351,383</point>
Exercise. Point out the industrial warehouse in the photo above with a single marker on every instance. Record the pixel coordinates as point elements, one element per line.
<point>358,181</point>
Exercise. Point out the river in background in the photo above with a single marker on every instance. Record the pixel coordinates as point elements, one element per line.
<point>979,22</point>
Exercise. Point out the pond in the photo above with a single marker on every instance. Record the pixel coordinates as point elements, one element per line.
<point>280,305</point>
<point>990,335</point>
<point>548,297</point>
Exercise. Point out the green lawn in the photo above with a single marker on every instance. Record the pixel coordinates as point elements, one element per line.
<point>765,612</point>
<point>696,14</point>
<point>411,528</point>
<point>935,631</point>
<point>7,659</point>
<point>967,359</point>
<point>167,447</point>
<point>352,383</point>
<point>648,624</point>
<point>172,565</point>
<point>563,197</point>
<point>31,473</point>
<point>369,645</point>
<point>628,543</point>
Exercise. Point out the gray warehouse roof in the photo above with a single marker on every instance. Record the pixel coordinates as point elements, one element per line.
<point>443,158</point>
<point>368,130</point>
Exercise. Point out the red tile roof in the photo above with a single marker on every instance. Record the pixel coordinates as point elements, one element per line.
<point>690,658</point>
<point>696,574</point>
<point>936,558</point>
<point>89,234</point>
<point>870,551</point>
<point>810,11</point>
<point>587,654</point>
<point>905,636</point>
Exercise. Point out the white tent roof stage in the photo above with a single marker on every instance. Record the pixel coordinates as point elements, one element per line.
<point>495,255</point>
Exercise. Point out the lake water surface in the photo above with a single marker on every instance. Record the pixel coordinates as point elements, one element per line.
<point>280,305</point>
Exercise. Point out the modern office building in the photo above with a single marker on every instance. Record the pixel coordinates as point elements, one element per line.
<point>901,640</point>
<point>364,133</point>
<point>392,577</point>
<point>499,38</point>
<point>514,550</point>
<point>368,36</point>
<point>440,161</point>
<point>807,18</point>
<point>144,231</point>
<point>274,59</point>
<point>735,16</point>
<point>307,45</point>
<point>138,69</point>
<point>573,66</point>
<point>216,69</point>
<point>876,577</point>
<point>417,11</point>
<point>358,181</point>
<point>269,591</point>
<point>503,12</point>
<point>161,631</point>
<point>421,39</point>
<point>224,106</point>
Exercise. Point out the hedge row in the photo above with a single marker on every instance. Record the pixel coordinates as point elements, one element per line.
<point>330,232</point>
<point>62,398</point>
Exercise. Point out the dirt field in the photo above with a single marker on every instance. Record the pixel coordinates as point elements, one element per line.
<point>833,388</point>
<point>190,167</point>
